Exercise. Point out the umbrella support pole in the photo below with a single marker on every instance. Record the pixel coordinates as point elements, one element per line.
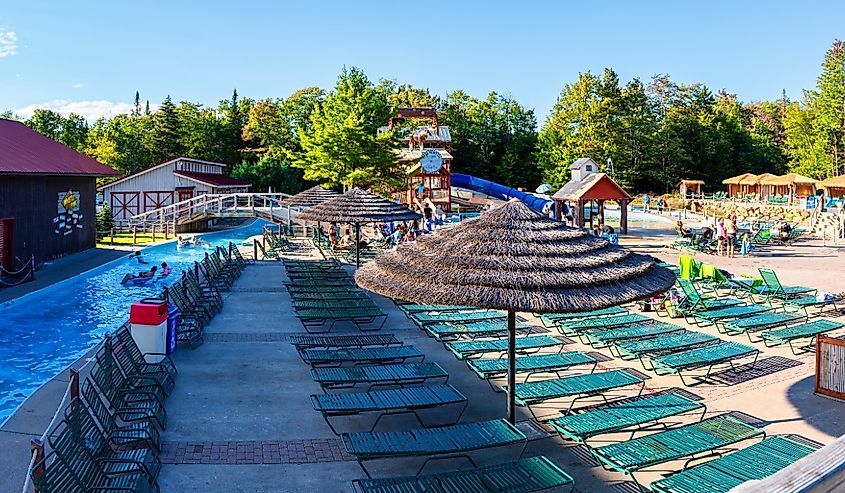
<point>357,245</point>
<point>511,366</point>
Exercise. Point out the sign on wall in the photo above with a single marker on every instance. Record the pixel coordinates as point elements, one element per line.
<point>68,217</point>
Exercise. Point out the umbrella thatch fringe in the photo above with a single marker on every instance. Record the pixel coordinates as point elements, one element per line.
<point>310,197</point>
<point>358,206</point>
<point>512,258</point>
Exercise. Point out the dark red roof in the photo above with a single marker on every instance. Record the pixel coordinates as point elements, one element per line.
<point>25,151</point>
<point>212,179</point>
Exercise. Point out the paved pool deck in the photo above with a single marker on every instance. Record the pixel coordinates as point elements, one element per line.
<point>240,418</point>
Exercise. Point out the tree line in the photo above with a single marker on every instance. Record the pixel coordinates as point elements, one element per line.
<point>648,134</point>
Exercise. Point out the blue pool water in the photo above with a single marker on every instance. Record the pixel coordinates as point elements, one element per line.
<point>43,333</point>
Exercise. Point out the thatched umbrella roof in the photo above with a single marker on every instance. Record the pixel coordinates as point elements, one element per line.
<point>789,179</point>
<point>358,207</point>
<point>833,182</point>
<point>309,198</point>
<point>515,259</point>
<point>735,180</point>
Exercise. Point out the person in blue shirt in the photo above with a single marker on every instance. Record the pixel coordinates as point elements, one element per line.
<point>646,203</point>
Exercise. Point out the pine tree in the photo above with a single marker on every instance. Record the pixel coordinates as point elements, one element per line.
<point>166,135</point>
<point>147,108</point>
<point>136,111</point>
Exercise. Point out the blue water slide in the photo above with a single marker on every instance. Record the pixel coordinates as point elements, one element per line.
<point>498,191</point>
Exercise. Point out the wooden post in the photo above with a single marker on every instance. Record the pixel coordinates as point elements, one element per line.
<point>134,234</point>
<point>255,249</point>
<point>154,233</point>
<point>512,366</point>
<point>111,235</point>
<point>36,446</point>
<point>74,387</point>
<point>165,294</point>
<point>623,216</point>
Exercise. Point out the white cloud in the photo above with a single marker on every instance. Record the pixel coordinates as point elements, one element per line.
<point>78,85</point>
<point>90,110</point>
<point>8,43</point>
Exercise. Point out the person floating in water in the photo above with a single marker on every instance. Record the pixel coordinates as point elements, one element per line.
<point>142,276</point>
<point>165,270</point>
<point>137,256</point>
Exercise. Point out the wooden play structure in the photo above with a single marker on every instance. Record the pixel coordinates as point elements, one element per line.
<point>589,187</point>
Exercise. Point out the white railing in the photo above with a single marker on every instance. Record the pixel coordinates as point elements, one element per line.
<point>266,205</point>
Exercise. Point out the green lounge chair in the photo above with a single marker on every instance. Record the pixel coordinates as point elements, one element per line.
<point>471,330</point>
<point>605,338</point>
<point>526,475</point>
<point>643,348</point>
<point>377,355</point>
<point>333,304</point>
<point>302,341</point>
<point>755,462</point>
<point>551,319</point>
<point>536,363</point>
<point>524,345</point>
<point>772,288</point>
<point>630,414</point>
<point>577,386</point>
<point>704,357</point>
<point>809,330</point>
<point>407,373</point>
<point>804,303</point>
<point>445,442</point>
<point>677,443</point>
<point>324,319</point>
<point>718,316</point>
<point>410,308</point>
<point>574,327</point>
<point>425,318</point>
<point>391,401</point>
<point>763,321</point>
<point>693,301</point>
<point>331,295</point>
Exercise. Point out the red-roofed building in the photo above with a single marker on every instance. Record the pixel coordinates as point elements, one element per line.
<point>167,183</point>
<point>48,201</point>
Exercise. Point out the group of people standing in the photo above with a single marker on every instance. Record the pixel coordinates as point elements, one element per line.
<point>659,204</point>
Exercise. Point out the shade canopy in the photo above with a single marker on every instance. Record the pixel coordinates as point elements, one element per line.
<point>833,182</point>
<point>735,180</point>
<point>788,179</point>
<point>310,197</point>
<point>516,259</point>
<point>358,207</point>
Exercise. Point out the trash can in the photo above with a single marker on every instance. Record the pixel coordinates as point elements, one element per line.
<point>172,325</point>
<point>148,325</point>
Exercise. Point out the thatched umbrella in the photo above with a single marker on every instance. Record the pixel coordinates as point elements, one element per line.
<point>358,207</point>
<point>515,259</point>
<point>308,198</point>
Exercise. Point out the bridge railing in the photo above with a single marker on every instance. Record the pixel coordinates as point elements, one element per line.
<point>211,205</point>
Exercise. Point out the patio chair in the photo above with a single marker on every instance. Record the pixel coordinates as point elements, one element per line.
<point>324,319</point>
<point>410,308</point>
<point>471,330</point>
<point>408,400</point>
<point>763,321</point>
<point>704,357</point>
<point>123,433</point>
<point>630,414</point>
<point>372,355</point>
<point>754,462</point>
<point>532,474</point>
<point>133,363</point>
<point>303,341</point>
<point>536,363</point>
<point>577,386</point>
<point>606,338</point>
<point>641,349</point>
<point>575,327</point>
<point>804,303</point>
<point>772,288</point>
<point>719,316</point>
<point>333,304</point>
<point>687,441</point>
<point>789,335</point>
<point>425,318</point>
<point>551,319</point>
<point>524,345</point>
<point>441,443</point>
<point>375,375</point>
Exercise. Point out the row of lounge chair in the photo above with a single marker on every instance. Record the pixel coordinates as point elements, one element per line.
<point>109,437</point>
<point>352,371</point>
<point>324,295</point>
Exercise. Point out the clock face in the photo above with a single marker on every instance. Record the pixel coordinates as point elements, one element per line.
<point>431,161</point>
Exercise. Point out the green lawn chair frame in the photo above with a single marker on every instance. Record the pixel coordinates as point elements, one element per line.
<point>718,317</point>
<point>536,473</point>
<point>764,321</point>
<point>803,304</point>
<point>524,345</point>
<point>324,320</point>
<point>131,431</point>
<point>635,414</point>
<point>472,330</point>
<point>378,375</point>
<point>789,335</point>
<point>704,357</point>
<point>360,356</point>
<point>644,349</point>
<point>389,402</point>
<point>772,287</point>
<point>606,338</point>
<point>693,441</point>
<point>550,320</point>
<point>575,327</point>
<point>425,318</point>
<point>440,443</point>
<point>487,368</point>
<point>306,341</point>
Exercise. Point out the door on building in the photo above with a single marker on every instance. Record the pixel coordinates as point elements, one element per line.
<point>7,244</point>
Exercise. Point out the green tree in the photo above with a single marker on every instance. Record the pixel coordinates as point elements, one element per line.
<point>829,108</point>
<point>165,140</point>
<point>105,219</point>
<point>341,147</point>
<point>270,172</point>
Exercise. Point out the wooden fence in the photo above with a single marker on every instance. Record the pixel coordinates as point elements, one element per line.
<point>830,367</point>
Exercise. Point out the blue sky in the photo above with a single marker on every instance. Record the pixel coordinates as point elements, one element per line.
<point>91,56</point>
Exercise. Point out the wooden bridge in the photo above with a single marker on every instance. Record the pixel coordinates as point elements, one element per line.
<point>212,206</point>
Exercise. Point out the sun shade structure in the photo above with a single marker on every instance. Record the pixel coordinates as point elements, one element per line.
<point>358,207</point>
<point>515,259</point>
<point>311,197</point>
